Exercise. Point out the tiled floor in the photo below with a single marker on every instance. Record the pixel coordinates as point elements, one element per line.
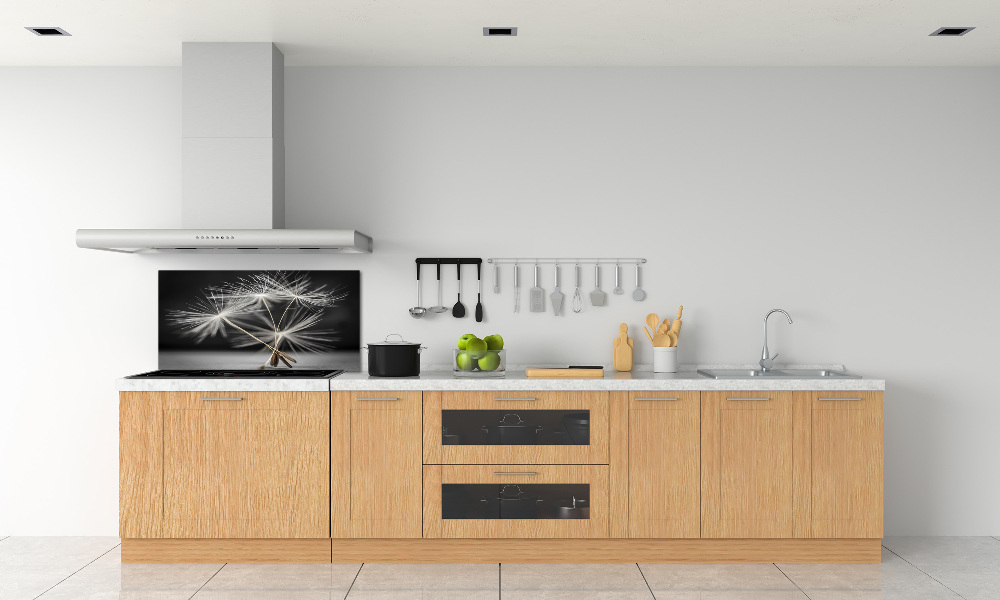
<point>912,569</point>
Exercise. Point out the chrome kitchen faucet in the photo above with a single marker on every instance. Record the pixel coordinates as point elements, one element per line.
<point>766,360</point>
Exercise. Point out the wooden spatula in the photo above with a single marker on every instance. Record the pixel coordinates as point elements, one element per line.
<point>653,320</point>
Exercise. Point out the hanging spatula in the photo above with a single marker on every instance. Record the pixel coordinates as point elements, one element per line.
<point>536,295</point>
<point>597,297</point>
<point>557,296</point>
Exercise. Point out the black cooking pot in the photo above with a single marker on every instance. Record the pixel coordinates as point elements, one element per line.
<point>397,358</point>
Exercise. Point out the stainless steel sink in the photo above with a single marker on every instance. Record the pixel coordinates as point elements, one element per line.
<point>777,374</point>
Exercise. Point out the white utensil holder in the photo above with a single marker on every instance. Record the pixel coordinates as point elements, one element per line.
<point>664,359</point>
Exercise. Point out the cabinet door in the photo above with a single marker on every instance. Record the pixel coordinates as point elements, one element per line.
<point>664,449</point>
<point>140,464</point>
<point>746,457</point>
<point>246,465</point>
<point>489,428</point>
<point>376,466</point>
<point>847,465</point>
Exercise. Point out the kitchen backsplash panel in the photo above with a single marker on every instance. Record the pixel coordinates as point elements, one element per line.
<point>254,319</point>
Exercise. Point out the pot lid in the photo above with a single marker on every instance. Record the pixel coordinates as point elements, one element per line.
<point>388,342</point>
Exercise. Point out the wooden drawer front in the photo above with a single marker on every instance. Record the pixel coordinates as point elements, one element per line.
<point>496,477</point>
<point>246,465</point>
<point>847,464</point>
<point>664,449</point>
<point>746,458</point>
<point>496,406</point>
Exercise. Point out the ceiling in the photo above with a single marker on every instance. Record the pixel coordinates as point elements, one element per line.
<point>551,32</point>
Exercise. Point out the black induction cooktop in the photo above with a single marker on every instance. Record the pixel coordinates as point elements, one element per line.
<point>241,374</point>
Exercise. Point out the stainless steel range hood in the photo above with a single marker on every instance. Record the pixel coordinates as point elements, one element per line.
<point>233,164</point>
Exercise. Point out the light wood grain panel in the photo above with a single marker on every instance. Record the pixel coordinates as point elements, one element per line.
<point>225,550</point>
<point>847,464</point>
<point>746,465</point>
<point>801,466</point>
<point>594,475</point>
<point>664,465</point>
<point>608,551</point>
<point>252,468</point>
<point>340,464</point>
<point>140,464</point>
<point>618,470</point>
<point>383,433</point>
<point>594,453</point>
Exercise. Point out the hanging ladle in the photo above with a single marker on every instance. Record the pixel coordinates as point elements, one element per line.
<point>418,311</point>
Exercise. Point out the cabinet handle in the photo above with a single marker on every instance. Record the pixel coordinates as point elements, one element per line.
<point>744,399</point>
<point>840,399</point>
<point>514,473</point>
<point>225,399</point>
<point>377,399</point>
<point>515,399</point>
<point>656,399</point>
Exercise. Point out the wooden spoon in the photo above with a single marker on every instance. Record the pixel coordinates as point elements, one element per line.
<point>661,339</point>
<point>653,320</point>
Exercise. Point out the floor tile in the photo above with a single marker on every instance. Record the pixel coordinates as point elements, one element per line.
<point>893,579</point>
<point>329,577</point>
<point>269,594</point>
<point>70,551</point>
<point>929,553</point>
<point>971,584</point>
<point>675,577</point>
<point>166,577</point>
<point>581,581</point>
<point>426,582</point>
<point>28,581</point>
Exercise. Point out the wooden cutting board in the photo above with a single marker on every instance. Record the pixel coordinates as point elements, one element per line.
<point>564,372</point>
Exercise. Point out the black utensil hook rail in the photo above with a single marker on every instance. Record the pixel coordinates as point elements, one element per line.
<point>459,310</point>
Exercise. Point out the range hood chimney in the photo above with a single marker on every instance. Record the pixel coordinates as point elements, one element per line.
<point>233,163</point>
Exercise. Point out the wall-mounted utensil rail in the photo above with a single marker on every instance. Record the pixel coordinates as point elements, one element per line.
<point>566,261</point>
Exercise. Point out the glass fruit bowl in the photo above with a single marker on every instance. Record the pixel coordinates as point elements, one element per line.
<point>484,363</point>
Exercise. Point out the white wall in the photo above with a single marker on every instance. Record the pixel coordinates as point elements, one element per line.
<point>863,201</point>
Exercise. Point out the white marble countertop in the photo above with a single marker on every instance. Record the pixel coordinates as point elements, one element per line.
<point>640,379</point>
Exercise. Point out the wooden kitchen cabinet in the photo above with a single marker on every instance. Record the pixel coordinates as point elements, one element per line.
<point>746,465</point>
<point>839,490</point>
<point>224,464</point>
<point>664,449</point>
<point>375,465</point>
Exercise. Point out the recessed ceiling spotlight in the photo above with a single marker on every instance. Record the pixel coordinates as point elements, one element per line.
<point>952,31</point>
<point>47,31</point>
<point>499,31</point>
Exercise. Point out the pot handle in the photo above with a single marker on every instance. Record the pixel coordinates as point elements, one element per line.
<point>394,334</point>
<point>421,349</point>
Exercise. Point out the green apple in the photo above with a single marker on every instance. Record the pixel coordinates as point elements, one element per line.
<point>462,341</point>
<point>490,362</point>
<point>494,342</point>
<point>465,361</point>
<point>476,347</point>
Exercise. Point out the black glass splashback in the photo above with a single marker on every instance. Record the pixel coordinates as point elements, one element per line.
<point>245,320</point>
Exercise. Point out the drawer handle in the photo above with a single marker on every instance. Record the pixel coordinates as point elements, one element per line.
<point>515,399</point>
<point>514,473</point>
<point>377,399</point>
<point>656,399</point>
<point>222,399</point>
<point>744,399</point>
<point>839,399</point>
